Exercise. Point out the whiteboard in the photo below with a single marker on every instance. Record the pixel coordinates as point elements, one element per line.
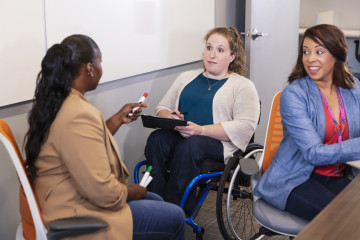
<point>134,36</point>
<point>22,47</point>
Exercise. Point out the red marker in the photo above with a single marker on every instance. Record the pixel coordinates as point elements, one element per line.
<point>141,100</point>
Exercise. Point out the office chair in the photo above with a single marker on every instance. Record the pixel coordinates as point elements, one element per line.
<point>32,226</point>
<point>207,180</point>
<point>272,220</point>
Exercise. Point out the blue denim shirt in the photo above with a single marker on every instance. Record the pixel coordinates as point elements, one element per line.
<point>302,147</point>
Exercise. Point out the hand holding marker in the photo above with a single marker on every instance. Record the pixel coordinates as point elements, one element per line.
<point>147,178</point>
<point>141,100</point>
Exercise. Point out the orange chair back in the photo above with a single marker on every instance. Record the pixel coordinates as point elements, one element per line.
<point>274,133</point>
<point>26,218</point>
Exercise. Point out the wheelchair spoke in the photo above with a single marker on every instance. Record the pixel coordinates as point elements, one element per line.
<point>241,215</point>
<point>235,203</point>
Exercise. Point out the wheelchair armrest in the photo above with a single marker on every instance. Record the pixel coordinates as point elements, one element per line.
<point>252,146</point>
<point>238,153</point>
<point>74,226</point>
<point>249,166</point>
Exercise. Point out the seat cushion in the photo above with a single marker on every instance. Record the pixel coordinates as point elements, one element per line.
<point>210,165</point>
<point>276,220</point>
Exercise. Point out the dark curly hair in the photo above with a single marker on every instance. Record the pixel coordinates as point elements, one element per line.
<point>333,39</point>
<point>236,47</point>
<point>59,67</point>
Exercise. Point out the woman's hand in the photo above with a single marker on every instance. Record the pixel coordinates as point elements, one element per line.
<point>124,115</point>
<point>126,111</point>
<point>214,130</point>
<point>167,114</point>
<point>136,192</point>
<point>190,130</point>
<point>176,115</point>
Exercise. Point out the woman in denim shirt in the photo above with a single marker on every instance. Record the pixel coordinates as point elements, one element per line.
<point>320,111</point>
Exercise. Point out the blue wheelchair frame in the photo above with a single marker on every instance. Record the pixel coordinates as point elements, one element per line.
<point>199,179</point>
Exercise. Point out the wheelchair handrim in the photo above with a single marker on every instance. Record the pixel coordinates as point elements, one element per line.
<point>236,171</point>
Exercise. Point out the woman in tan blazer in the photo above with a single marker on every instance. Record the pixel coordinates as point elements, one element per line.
<point>73,159</point>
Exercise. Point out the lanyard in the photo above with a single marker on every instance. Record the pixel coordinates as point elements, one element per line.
<point>339,127</point>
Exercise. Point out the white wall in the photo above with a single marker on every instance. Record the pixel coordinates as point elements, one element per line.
<point>346,12</point>
<point>346,17</point>
<point>108,98</point>
<point>36,25</point>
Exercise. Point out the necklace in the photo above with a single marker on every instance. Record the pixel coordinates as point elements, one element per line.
<point>339,126</point>
<point>210,86</point>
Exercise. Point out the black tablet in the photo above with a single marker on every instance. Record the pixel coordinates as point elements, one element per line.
<point>160,122</point>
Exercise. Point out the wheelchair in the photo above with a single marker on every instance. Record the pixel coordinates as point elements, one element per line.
<point>209,179</point>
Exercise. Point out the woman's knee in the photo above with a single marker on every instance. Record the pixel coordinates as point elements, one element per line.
<point>191,149</point>
<point>162,138</point>
<point>195,140</point>
<point>155,136</point>
<point>153,196</point>
<point>177,217</point>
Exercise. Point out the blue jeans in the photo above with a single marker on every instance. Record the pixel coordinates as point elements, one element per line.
<point>168,150</point>
<point>312,196</point>
<point>154,219</point>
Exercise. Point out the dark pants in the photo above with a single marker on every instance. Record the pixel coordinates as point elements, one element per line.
<point>312,196</point>
<point>168,150</point>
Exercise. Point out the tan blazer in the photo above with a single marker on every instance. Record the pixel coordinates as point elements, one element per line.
<point>80,172</point>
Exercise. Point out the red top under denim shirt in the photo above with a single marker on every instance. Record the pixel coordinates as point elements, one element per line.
<point>331,137</point>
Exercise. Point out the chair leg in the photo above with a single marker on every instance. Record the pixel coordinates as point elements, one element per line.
<point>199,236</point>
<point>263,232</point>
<point>197,206</point>
<point>19,233</point>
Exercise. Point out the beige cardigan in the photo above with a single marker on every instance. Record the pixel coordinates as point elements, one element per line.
<point>235,106</point>
<point>80,172</point>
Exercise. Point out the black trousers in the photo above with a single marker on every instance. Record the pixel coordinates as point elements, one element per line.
<point>309,198</point>
<point>168,150</point>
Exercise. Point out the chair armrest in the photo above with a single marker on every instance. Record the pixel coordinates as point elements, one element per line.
<point>249,148</point>
<point>249,166</point>
<point>74,226</point>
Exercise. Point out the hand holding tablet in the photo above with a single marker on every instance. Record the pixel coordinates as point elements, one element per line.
<point>160,122</point>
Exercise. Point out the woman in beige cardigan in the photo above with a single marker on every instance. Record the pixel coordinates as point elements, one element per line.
<point>73,159</point>
<point>222,110</point>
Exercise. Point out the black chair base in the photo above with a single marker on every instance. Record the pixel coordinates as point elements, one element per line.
<point>74,226</point>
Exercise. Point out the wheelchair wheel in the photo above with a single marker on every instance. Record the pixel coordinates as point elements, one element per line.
<point>234,203</point>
